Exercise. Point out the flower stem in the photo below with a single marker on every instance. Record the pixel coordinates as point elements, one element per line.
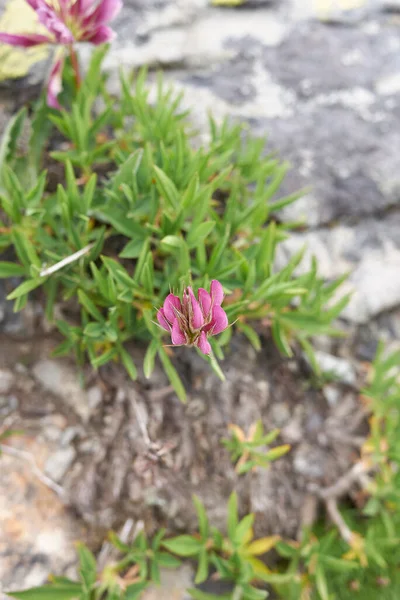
<point>215,366</point>
<point>75,66</point>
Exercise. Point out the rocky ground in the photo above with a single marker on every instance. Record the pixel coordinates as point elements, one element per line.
<point>325,88</point>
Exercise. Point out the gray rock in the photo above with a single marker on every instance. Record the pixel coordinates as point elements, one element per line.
<point>340,369</point>
<point>7,380</point>
<point>62,380</point>
<point>369,251</point>
<point>58,463</point>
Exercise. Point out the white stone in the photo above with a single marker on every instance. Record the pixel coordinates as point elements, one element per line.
<point>340,368</point>
<point>58,463</point>
<point>6,381</point>
<point>60,379</point>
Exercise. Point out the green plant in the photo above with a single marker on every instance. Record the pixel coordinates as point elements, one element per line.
<point>367,564</point>
<point>250,452</point>
<point>233,556</point>
<point>138,211</point>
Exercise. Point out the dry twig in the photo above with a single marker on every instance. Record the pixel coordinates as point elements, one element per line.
<point>26,456</point>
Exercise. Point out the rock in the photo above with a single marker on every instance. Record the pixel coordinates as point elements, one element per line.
<point>62,380</point>
<point>309,463</point>
<point>174,584</point>
<point>8,404</point>
<point>369,251</point>
<point>7,379</point>
<point>37,532</point>
<point>332,394</point>
<point>94,397</point>
<point>58,463</point>
<point>338,368</point>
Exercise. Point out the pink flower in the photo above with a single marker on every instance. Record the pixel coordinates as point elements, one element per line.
<point>192,321</point>
<point>67,21</point>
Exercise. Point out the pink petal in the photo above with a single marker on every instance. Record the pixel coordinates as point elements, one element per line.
<point>203,343</point>
<point>196,315</point>
<point>48,17</point>
<point>205,301</point>
<point>217,292</point>
<point>54,85</point>
<point>24,40</point>
<point>105,12</point>
<point>219,321</point>
<point>162,320</point>
<point>33,3</point>
<point>177,336</point>
<point>100,35</point>
<point>171,305</point>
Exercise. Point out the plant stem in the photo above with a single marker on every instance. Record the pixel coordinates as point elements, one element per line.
<point>237,593</point>
<point>75,66</point>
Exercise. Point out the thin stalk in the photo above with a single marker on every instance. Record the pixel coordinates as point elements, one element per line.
<point>75,66</point>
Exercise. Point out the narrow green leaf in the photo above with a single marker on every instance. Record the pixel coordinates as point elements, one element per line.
<point>183,545</point>
<point>172,375</point>
<point>10,269</point>
<point>166,188</point>
<point>202,567</point>
<point>25,288</point>
<point>89,306</point>
<point>128,363</point>
<point>199,233</point>
<point>232,515</point>
<point>202,517</point>
<point>149,359</point>
<point>49,592</point>
<point>88,568</point>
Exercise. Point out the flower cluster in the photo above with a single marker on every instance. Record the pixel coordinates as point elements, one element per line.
<point>192,321</point>
<point>67,21</point>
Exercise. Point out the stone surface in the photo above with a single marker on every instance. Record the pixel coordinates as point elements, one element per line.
<point>369,251</point>
<point>61,380</point>
<point>340,369</point>
<point>59,462</point>
<point>37,533</point>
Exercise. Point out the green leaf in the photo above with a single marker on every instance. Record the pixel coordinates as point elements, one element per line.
<point>183,545</point>
<point>251,335</point>
<point>89,306</point>
<point>172,242</point>
<point>167,560</point>
<point>277,452</point>
<point>10,269</point>
<point>132,249</point>
<point>25,288</point>
<point>232,515</point>
<point>243,528</point>
<point>128,363</point>
<point>88,569</point>
<point>199,233</point>
<point>280,338</point>
<point>134,591</point>
<point>149,359</point>
<point>49,592</point>
<point>202,517</point>
<point>94,330</point>
<point>202,567</point>
<point>166,188</point>
<point>172,375</point>
<point>321,583</point>
<point>10,137</point>
<point>199,595</point>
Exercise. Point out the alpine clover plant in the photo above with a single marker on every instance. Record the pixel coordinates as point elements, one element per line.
<point>65,22</point>
<point>141,211</point>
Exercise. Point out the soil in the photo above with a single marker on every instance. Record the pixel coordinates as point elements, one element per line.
<point>139,453</point>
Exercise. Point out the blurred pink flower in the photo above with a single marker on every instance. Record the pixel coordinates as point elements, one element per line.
<point>67,21</point>
<point>191,321</point>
